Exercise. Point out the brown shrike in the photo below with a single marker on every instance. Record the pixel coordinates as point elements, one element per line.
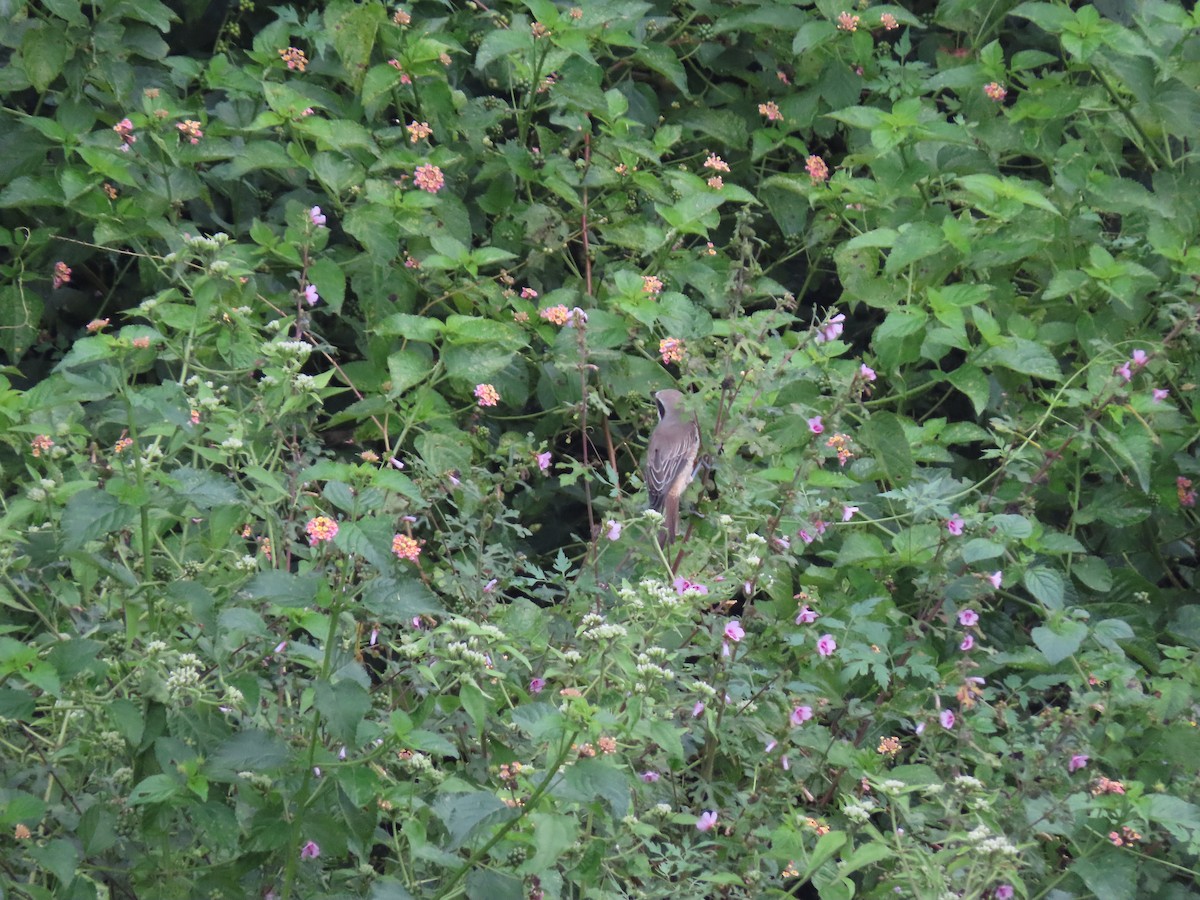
<point>671,458</point>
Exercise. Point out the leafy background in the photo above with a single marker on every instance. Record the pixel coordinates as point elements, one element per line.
<point>330,331</point>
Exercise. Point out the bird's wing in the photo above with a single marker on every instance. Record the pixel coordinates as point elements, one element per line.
<point>665,462</point>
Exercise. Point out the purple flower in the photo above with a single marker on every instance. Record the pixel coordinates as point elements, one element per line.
<point>1160,394</point>
<point>543,460</point>
<point>491,585</point>
<point>315,216</point>
<point>826,645</point>
<point>848,513</point>
<point>954,524</point>
<point>967,643</point>
<point>1004,892</point>
<point>815,425</point>
<point>946,717</point>
<point>805,536</point>
<point>1077,762</point>
<point>683,586</point>
<point>310,294</point>
<point>537,685</point>
<point>734,630</point>
<point>1139,358</point>
<point>697,709</point>
<point>707,820</point>
<point>968,617</point>
<point>830,330</point>
<point>649,777</point>
<point>807,615</point>
<point>1123,371</point>
<point>866,372</point>
<point>783,761</point>
<point>614,530</point>
<point>995,578</point>
<point>771,745</point>
<point>800,715</point>
<point>310,850</point>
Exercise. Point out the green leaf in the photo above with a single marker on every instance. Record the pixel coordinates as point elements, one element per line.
<point>827,845</point>
<point>500,43</point>
<point>343,705</point>
<point>1046,585</point>
<point>410,327</point>
<point>1022,356</point>
<point>553,836</point>
<point>1059,640</point>
<point>44,52</point>
<point>475,703</point>
<point>331,283</point>
<point>353,27</point>
<point>282,588</point>
<point>59,857</point>
<point>587,779</point>
<point>662,60</point>
<point>93,514</point>
<point>154,789</point>
<point>247,751</point>
<point>1093,572</point>
<point>464,813</point>
<point>860,548</point>
<point>884,434</point>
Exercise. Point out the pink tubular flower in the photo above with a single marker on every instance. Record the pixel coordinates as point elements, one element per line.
<point>651,284</point>
<point>321,528</point>
<point>816,168</point>
<point>528,293</point>
<point>190,130</point>
<point>954,524</point>
<point>866,373</point>
<point>310,850</point>
<point>429,178</point>
<point>848,513</point>
<point>826,645</point>
<point>486,395</point>
<point>537,685</point>
<point>734,630</point>
<point>649,777</point>
<point>805,536</point>
<point>815,425</point>
<point>1159,395</point>
<point>1139,358</point>
<point>830,330</point>
<point>124,130</point>
<point>1077,762</point>
<point>968,617</point>
<point>1003,892</point>
<point>418,131</point>
<point>967,643</point>
<point>311,295</point>
<point>614,530</point>
<point>995,579</point>
<point>683,586</point>
<point>316,217</point>
<point>671,350</point>
<point>946,717</point>
<point>995,91</point>
<point>770,109</point>
<point>707,820</point>
<point>800,715</point>
<point>1183,490</point>
<point>543,461</point>
<point>62,275</point>
<point>807,615</point>
<point>406,547</point>
<point>698,709</point>
<point>1124,371</point>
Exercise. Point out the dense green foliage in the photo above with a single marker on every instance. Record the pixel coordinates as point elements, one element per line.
<point>331,332</point>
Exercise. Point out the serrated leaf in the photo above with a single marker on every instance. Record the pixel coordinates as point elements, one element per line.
<point>1095,573</point>
<point>1060,641</point>
<point>463,813</point>
<point>44,52</point>
<point>1024,356</point>
<point>883,433</point>
<point>1046,585</point>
